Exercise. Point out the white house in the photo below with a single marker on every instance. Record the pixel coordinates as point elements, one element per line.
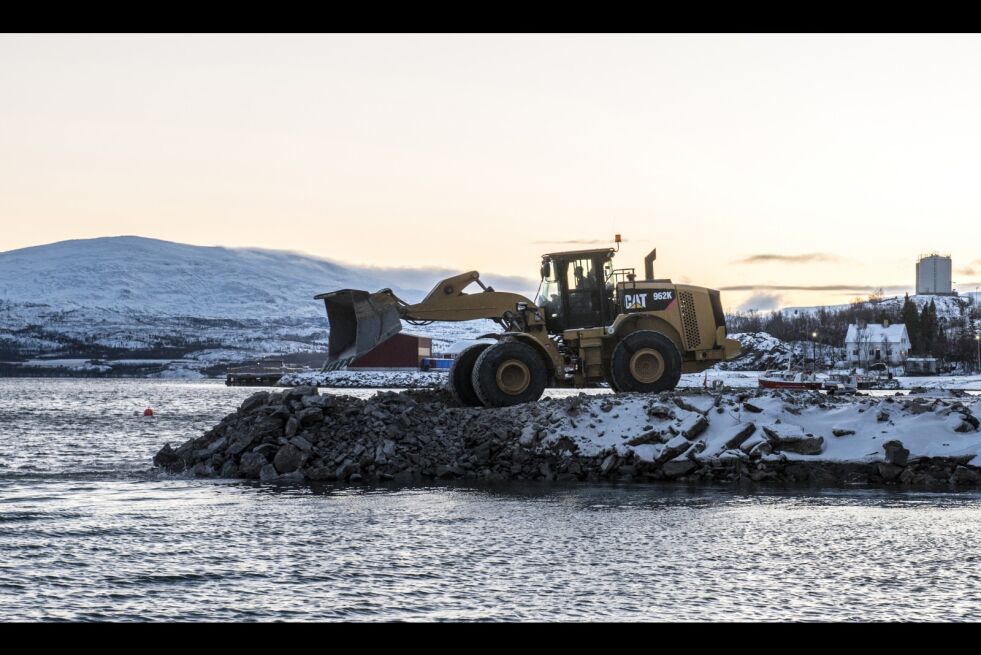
<point>868,344</point>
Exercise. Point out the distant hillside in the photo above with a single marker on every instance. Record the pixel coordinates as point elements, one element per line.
<point>89,303</point>
<point>948,307</point>
<point>139,275</point>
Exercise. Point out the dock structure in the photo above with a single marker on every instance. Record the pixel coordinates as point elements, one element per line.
<point>252,379</point>
<point>262,374</point>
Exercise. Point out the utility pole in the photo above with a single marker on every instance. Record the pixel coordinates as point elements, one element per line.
<point>814,335</point>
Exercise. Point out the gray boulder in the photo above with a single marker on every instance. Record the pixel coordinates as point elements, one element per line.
<point>203,470</point>
<point>254,401</point>
<point>297,393</point>
<point>672,449</point>
<point>889,472</point>
<point>965,476</point>
<point>678,467</point>
<point>316,401</point>
<point>970,418</point>
<point>168,458</point>
<point>251,464</point>
<point>321,473</point>
<point>745,431</point>
<point>301,443</point>
<point>288,458</point>
<point>310,416</point>
<point>792,439</point>
<point>895,453</point>
<point>966,426</point>
<point>240,443</point>
<point>229,469</point>
<point>693,426</point>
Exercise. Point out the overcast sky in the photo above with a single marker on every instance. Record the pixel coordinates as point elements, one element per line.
<point>771,164</point>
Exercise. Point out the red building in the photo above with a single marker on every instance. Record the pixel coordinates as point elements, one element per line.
<point>400,351</point>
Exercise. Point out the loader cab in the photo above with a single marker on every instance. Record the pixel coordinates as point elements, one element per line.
<point>577,289</point>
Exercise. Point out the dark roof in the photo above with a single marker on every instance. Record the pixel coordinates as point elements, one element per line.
<point>568,253</point>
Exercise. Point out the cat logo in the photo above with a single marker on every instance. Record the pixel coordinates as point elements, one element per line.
<point>635,301</point>
<point>648,301</point>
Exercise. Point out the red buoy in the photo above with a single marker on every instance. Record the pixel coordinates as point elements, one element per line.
<point>147,412</point>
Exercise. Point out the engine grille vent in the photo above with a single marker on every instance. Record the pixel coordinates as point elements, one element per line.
<point>689,320</point>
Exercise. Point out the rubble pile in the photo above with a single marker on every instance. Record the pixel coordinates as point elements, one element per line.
<point>299,434</point>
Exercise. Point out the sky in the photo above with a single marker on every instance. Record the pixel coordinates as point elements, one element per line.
<point>782,169</point>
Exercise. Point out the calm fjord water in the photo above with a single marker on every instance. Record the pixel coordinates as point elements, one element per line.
<point>88,531</point>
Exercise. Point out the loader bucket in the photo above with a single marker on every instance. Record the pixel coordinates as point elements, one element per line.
<point>359,321</point>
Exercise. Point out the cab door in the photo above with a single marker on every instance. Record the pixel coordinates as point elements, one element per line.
<point>585,291</point>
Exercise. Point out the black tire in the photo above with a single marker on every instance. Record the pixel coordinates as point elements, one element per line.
<point>645,361</point>
<point>509,363</point>
<point>608,378</point>
<point>460,380</point>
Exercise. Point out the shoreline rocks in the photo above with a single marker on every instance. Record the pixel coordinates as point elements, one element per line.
<point>298,435</point>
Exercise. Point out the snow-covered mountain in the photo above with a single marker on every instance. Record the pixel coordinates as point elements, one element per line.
<point>131,297</point>
<point>139,275</point>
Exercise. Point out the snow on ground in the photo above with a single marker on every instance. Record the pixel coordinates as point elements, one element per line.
<point>965,382</point>
<point>702,425</point>
<point>705,380</point>
<point>762,351</point>
<point>69,364</point>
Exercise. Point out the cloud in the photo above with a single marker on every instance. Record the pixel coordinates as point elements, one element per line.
<point>828,287</point>
<point>586,242</point>
<point>805,258</point>
<point>967,270</point>
<point>761,302</point>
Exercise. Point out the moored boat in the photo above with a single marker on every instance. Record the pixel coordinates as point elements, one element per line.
<point>787,379</point>
<point>841,383</point>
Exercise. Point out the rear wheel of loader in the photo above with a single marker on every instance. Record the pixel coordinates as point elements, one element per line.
<point>645,361</point>
<point>608,378</point>
<point>461,375</point>
<point>509,373</point>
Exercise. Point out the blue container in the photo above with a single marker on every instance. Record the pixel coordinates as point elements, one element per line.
<point>435,364</point>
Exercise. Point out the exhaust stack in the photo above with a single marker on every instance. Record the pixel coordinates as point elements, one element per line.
<point>649,264</point>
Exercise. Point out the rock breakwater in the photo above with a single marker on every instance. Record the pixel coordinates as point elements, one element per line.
<point>299,434</point>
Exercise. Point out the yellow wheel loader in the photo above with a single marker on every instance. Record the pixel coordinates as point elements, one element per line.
<point>590,323</point>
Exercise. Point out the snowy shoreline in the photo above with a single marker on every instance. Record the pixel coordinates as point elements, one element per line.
<point>348,379</point>
<point>299,435</point>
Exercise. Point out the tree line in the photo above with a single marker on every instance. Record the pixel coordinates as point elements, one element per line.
<point>949,339</point>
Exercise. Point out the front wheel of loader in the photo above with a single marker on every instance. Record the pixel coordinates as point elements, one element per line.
<point>509,373</point>
<point>645,361</point>
<point>461,375</point>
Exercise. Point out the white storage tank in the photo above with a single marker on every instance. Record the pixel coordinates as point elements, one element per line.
<point>933,274</point>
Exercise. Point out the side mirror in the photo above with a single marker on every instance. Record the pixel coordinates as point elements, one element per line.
<point>546,269</point>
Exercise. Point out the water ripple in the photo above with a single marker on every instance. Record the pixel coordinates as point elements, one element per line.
<point>89,533</point>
